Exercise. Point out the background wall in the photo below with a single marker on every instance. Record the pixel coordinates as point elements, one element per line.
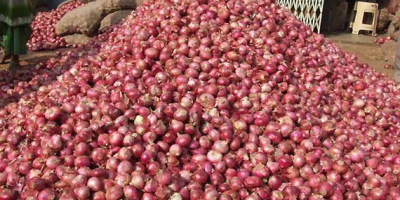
<point>336,16</point>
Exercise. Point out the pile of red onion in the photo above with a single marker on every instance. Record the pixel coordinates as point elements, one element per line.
<point>198,99</point>
<point>382,40</point>
<point>44,35</point>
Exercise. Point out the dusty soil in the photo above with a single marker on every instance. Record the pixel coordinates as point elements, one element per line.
<point>373,55</point>
<point>365,49</point>
<point>34,58</point>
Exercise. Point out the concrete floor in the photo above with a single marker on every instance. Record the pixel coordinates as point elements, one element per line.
<point>349,38</point>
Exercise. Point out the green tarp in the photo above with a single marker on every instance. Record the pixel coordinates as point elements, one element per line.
<point>17,12</point>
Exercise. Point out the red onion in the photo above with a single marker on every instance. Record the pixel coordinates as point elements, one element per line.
<point>37,184</point>
<point>95,184</point>
<point>46,194</point>
<point>82,192</point>
<point>43,35</point>
<point>274,182</point>
<point>8,194</point>
<point>114,193</point>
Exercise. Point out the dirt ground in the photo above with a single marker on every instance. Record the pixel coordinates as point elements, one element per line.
<point>362,46</point>
<point>365,49</point>
<point>34,58</point>
<point>368,54</point>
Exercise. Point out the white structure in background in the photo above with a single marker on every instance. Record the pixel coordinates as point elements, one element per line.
<point>366,17</point>
<point>307,11</point>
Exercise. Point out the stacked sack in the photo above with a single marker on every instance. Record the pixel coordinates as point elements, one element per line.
<point>77,26</point>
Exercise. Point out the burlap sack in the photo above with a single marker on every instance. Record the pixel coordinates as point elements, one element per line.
<point>76,39</point>
<point>113,18</point>
<point>383,20</point>
<point>110,6</point>
<point>85,20</point>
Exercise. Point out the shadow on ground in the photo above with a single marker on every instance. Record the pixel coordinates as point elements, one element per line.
<point>34,58</point>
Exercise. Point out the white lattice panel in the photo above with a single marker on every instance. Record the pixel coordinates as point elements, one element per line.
<point>307,11</point>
